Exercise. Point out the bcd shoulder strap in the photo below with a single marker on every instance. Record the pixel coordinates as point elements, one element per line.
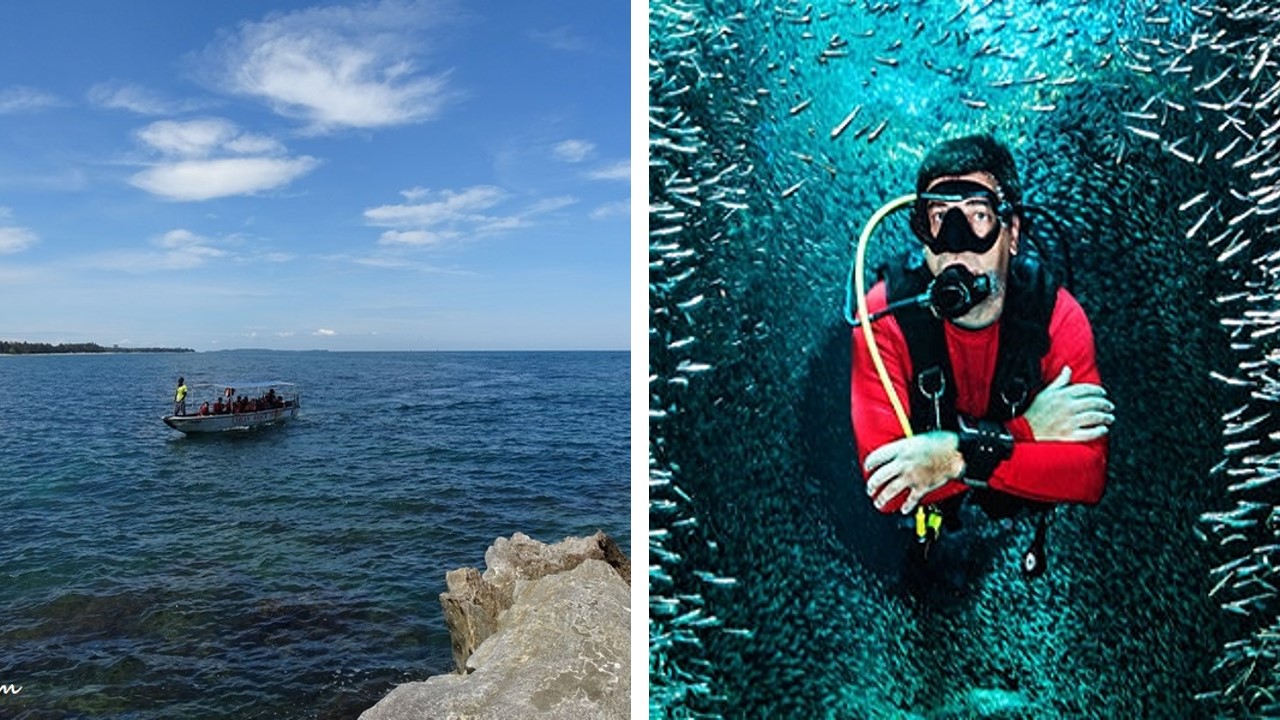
<point>1030,296</point>
<point>932,385</point>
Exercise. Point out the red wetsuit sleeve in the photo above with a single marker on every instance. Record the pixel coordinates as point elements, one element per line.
<point>1058,471</point>
<point>874,421</point>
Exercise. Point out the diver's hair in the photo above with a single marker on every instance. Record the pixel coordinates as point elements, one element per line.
<point>972,153</point>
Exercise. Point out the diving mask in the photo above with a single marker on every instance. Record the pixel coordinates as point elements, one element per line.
<point>958,216</point>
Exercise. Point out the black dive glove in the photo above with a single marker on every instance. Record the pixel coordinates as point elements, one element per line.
<point>984,444</point>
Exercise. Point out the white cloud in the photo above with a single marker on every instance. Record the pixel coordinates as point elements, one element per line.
<point>613,209</point>
<point>20,99</point>
<point>448,215</point>
<point>118,95</point>
<point>452,207</point>
<point>16,239</point>
<point>204,137</point>
<point>193,180</point>
<point>335,67</point>
<point>415,237</point>
<point>547,205</point>
<point>196,166</point>
<point>192,138</point>
<point>178,238</point>
<point>561,38</point>
<point>326,332</point>
<point>620,170</point>
<point>493,225</point>
<point>178,249</point>
<point>247,144</point>
<point>573,151</point>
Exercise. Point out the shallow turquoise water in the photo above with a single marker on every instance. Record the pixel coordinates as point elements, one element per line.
<point>291,572</point>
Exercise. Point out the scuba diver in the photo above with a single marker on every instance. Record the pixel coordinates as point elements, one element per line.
<point>974,378</point>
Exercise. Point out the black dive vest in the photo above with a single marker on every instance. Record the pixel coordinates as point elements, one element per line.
<point>1030,296</point>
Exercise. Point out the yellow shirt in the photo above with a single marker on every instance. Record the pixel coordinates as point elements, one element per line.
<point>182,393</point>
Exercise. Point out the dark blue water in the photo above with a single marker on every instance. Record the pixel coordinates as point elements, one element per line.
<point>292,572</point>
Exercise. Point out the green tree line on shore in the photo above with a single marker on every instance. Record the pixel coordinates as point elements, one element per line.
<point>8,347</point>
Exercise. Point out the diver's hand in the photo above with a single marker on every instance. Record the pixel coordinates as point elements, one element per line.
<point>1070,413</point>
<point>918,464</point>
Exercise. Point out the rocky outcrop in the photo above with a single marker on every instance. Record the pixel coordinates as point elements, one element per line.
<point>544,632</point>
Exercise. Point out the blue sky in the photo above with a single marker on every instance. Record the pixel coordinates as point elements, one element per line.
<point>387,175</point>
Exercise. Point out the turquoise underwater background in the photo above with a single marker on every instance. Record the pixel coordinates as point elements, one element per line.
<point>776,129</point>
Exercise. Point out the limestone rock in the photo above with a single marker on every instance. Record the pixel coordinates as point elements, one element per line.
<point>522,558</point>
<point>544,632</point>
<point>474,602</point>
<point>471,609</point>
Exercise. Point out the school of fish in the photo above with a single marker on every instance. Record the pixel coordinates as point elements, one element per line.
<point>1146,132</point>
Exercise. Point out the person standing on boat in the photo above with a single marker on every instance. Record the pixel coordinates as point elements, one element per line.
<point>180,399</point>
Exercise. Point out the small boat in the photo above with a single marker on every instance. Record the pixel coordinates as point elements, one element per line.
<point>237,408</point>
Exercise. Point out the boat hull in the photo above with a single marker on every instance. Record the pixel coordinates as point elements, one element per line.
<point>233,422</point>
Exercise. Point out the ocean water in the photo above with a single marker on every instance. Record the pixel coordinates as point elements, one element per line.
<point>290,572</point>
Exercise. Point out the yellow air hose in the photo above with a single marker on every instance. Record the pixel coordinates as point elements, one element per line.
<point>926,520</point>
<point>864,314</point>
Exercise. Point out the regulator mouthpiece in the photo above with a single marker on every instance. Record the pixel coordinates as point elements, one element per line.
<point>956,291</point>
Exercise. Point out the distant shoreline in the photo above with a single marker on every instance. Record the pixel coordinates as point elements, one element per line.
<point>7,348</point>
<point>28,348</point>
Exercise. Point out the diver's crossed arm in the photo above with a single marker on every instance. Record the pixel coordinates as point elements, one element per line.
<point>1060,443</point>
<point>929,467</point>
<point>1059,449</point>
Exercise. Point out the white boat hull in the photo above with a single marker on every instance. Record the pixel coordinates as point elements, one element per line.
<point>232,422</point>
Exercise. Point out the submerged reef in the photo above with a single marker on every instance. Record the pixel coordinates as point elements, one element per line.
<point>1144,132</point>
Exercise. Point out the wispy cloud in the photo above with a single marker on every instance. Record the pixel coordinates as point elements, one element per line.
<point>118,95</point>
<point>450,207</point>
<point>204,137</point>
<point>573,151</point>
<point>182,249</point>
<point>325,332</point>
<point>620,170</point>
<point>178,249</point>
<point>14,239</point>
<point>391,257</point>
<point>22,99</point>
<point>562,38</point>
<point>211,157</point>
<point>435,218</point>
<point>614,209</point>
<point>57,179</point>
<point>335,67</point>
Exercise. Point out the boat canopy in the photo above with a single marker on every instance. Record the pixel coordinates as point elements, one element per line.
<point>258,385</point>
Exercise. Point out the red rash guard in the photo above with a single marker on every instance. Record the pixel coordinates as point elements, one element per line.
<point>1045,471</point>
